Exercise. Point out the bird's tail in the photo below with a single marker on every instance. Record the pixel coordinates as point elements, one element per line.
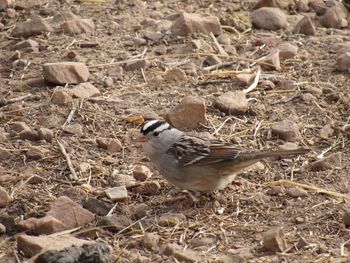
<point>258,155</point>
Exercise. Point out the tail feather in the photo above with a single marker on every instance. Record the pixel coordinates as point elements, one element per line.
<point>268,153</point>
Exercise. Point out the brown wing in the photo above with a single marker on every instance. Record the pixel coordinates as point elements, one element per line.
<point>193,150</point>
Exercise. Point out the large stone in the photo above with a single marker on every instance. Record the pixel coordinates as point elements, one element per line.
<point>60,97</point>
<point>115,222</point>
<point>188,114</point>
<point>6,4</point>
<point>232,102</point>
<point>84,90</point>
<point>269,18</point>
<point>187,24</point>
<point>286,130</point>
<point>273,240</point>
<point>343,62</point>
<point>69,213</point>
<point>45,225</point>
<point>171,219</point>
<point>65,72</point>
<point>33,27</point>
<point>305,26</point>
<point>32,245</point>
<point>180,254</point>
<point>78,26</point>
<point>150,241</point>
<point>272,60</point>
<point>333,161</point>
<point>5,198</point>
<point>287,51</point>
<point>4,154</point>
<point>25,4</point>
<point>118,193</point>
<point>335,17</point>
<point>142,173</point>
<point>26,44</point>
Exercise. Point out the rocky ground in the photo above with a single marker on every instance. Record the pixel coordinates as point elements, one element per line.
<point>79,77</point>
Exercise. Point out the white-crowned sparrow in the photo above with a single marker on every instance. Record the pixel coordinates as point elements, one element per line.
<point>195,164</point>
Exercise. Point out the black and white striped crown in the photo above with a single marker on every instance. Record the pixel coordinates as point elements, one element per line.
<point>157,126</point>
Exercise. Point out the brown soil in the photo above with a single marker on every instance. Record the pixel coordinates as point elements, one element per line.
<point>249,207</point>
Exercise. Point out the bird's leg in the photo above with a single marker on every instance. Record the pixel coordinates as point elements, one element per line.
<point>193,195</point>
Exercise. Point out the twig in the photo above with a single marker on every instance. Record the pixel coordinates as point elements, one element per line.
<point>342,247</point>
<point>73,174</point>
<point>21,186</point>
<point>21,98</point>
<point>177,63</point>
<point>309,187</point>
<point>112,209</point>
<point>219,66</point>
<point>218,46</point>
<point>69,118</point>
<point>257,129</point>
<point>220,127</point>
<point>231,29</point>
<point>255,82</point>
<point>104,99</point>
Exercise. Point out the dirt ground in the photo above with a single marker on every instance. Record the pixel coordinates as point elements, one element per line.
<point>235,218</point>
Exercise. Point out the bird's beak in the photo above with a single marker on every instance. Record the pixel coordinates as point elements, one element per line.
<point>141,138</point>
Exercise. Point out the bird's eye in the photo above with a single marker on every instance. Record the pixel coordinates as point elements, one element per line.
<point>155,133</point>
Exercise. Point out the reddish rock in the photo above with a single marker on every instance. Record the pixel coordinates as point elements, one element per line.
<point>142,173</point>
<point>343,62</point>
<point>60,97</point>
<point>136,65</point>
<point>188,114</point>
<point>33,27</point>
<point>118,193</point>
<point>73,129</point>
<point>175,74</point>
<point>287,51</point>
<point>25,4</point>
<point>84,90</point>
<point>46,225</point>
<point>326,131</point>
<point>69,213</point>
<point>272,60</point>
<point>332,161</point>
<point>286,130</point>
<point>78,26</point>
<point>114,146</point>
<point>65,72</point>
<point>187,24</point>
<point>232,102</point>
<point>180,254</point>
<point>305,26</point>
<point>6,4</point>
<point>269,18</point>
<point>150,241</point>
<point>4,154</point>
<point>35,152</point>
<point>335,17</point>
<point>5,198</point>
<point>32,245</point>
<point>296,192</point>
<point>273,240</point>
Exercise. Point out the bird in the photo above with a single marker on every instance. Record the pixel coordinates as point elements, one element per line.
<point>195,164</point>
